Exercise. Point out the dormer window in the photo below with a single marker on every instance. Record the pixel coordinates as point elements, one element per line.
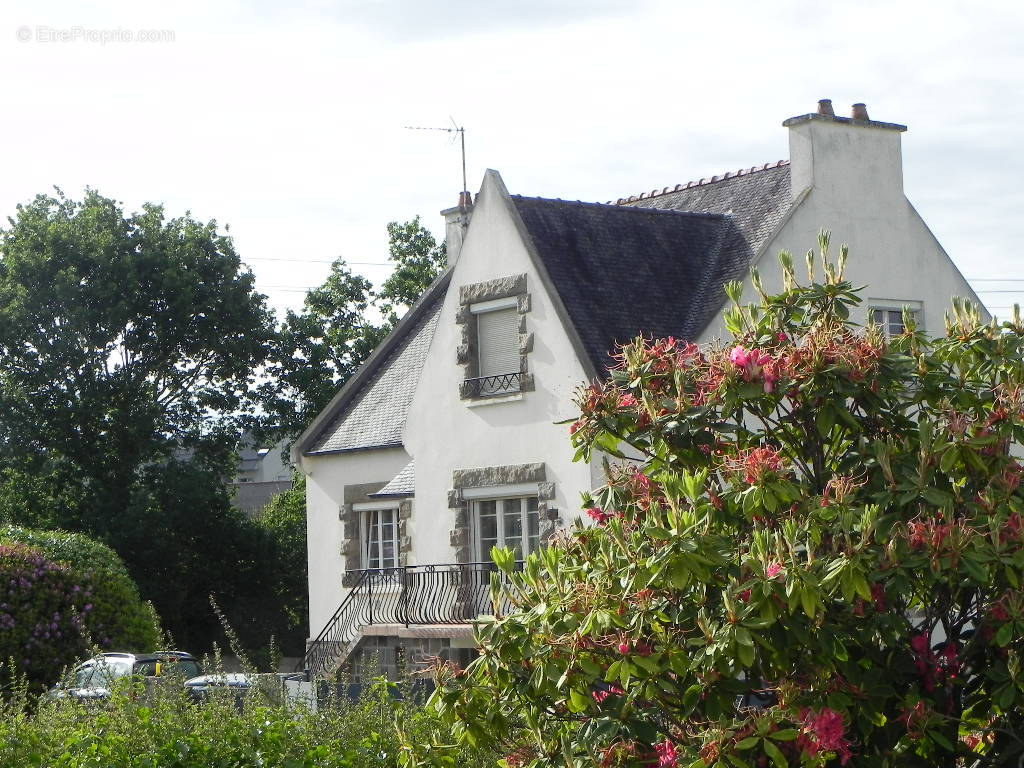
<point>497,333</point>
<point>495,341</point>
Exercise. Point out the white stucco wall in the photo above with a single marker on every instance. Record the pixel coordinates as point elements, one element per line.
<point>850,178</point>
<point>445,434</point>
<point>326,478</point>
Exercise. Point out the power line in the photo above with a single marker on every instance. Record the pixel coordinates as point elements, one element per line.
<point>318,261</point>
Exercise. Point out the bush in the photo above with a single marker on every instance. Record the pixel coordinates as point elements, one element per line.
<point>44,609</point>
<point>118,619</point>
<point>164,728</point>
<point>818,560</point>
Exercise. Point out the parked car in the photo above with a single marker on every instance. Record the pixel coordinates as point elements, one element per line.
<point>95,678</point>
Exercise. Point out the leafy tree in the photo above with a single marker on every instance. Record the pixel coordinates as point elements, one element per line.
<point>818,561</point>
<point>283,523</point>
<point>322,346</point>
<point>418,259</point>
<point>119,336</point>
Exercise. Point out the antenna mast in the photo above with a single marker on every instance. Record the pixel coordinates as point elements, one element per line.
<point>455,129</point>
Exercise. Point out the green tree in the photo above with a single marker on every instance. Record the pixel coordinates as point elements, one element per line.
<point>283,523</point>
<point>322,346</point>
<point>120,335</point>
<point>819,560</point>
<point>418,260</point>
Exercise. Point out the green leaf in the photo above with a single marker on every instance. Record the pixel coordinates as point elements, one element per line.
<point>785,734</point>
<point>748,743</point>
<point>775,754</point>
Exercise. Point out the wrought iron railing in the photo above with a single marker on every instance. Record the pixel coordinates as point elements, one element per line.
<point>453,593</point>
<point>490,386</point>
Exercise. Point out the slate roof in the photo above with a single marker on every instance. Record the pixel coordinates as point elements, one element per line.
<point>653,264</point>
<point>623,271</point>
<point>403,484</point>
<point>375,412</point>
<point>656,264</point>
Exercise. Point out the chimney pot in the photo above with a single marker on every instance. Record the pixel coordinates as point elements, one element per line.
<point>825,107</point>
<point>465,200</point>
<point>860,112</point>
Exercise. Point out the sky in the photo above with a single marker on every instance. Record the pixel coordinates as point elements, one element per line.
<point>286,121</point>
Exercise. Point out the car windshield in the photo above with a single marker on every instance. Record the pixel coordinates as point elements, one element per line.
<point>106,671</point>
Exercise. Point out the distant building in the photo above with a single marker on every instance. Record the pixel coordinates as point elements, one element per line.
<point>262,474</point>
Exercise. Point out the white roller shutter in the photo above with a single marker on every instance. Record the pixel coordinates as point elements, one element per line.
<point>498,338</point>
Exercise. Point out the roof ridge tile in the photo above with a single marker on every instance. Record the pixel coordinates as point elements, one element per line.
<point>702,182</point>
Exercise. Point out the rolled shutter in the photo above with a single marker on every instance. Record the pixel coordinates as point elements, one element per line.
<point>498,337</point>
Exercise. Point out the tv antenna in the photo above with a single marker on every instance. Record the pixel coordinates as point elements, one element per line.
<point>455,129</point>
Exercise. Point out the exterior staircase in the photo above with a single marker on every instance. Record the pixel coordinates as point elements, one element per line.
<point>451,593</point>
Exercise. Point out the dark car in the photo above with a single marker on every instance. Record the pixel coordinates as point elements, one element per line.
<point>95,678</point>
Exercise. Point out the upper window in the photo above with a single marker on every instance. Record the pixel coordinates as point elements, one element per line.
<point>497,341</point>
<point>511,522</point>
<point>380,538</point>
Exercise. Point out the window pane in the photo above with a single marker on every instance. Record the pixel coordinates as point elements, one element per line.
<point>512,528</point>
<point>487,528</point>
<point>532,524</point>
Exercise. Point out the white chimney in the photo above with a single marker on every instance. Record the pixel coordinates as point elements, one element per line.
<point>846,156</point>
<point>456,222</point>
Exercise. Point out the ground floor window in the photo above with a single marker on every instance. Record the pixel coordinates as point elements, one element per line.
<point>509,522</point>
<point>380,538</point>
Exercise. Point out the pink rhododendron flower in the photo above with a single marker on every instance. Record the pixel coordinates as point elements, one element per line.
<point>824,732</point>
<point>627,401</point>
<point>773,570</point>
<point>667,755</point>
<point>599,515</point>
<point>624,647</point>
<point>612,690</point>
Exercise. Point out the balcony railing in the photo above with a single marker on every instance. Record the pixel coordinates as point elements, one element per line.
<point>491,386</point>
<point>453,593</point>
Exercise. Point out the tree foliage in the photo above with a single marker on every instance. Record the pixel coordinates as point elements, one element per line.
<point>119,336</point>
<point>322,346</point>
<point>283,522</point>
<point>819,559</point>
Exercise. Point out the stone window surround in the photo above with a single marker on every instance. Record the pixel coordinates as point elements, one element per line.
<point>351,528</point>
<point>512,286</point>
<point>481,478</point>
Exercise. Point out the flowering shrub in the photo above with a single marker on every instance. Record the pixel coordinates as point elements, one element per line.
<point>42,614</point>
<point>107,608</point>
<point>819,560</point>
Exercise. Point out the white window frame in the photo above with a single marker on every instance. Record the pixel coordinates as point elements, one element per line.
<point>364,511</point>
<point>893,305</point>
<point>478,496</point>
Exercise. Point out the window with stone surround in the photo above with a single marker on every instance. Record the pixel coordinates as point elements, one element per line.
<point>512,522</point>
<point>508,505</point>
<point>495,344</point>
<point>379,541</point>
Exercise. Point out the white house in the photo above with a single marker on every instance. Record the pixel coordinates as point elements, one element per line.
<point>447,440</point>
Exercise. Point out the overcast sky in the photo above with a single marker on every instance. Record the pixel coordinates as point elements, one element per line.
<point>286,123</point>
